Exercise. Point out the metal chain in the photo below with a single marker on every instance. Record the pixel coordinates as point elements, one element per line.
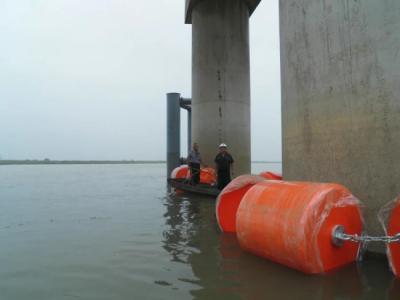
<point>366,238</point>
<point>339,236</point>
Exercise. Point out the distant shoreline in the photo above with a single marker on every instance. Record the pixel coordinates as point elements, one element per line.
<point>78,162</point>
<point>97,162</point>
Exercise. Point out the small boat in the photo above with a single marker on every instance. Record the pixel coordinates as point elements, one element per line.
<point>200,189</point>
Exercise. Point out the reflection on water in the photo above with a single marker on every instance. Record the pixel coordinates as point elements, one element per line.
<point>223,270</point>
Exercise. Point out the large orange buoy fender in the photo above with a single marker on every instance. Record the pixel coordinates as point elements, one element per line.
<point>292,223</point>
<point>390,218</point>
<point>180,172</point>
<point>208,176</point>
<point>271,175</point>
<point>229,199</point>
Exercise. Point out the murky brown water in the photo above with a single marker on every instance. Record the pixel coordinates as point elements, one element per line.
<point>114,232</point>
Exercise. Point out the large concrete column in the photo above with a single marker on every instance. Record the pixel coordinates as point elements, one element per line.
<point>341,97</point>
<point>221,78</point>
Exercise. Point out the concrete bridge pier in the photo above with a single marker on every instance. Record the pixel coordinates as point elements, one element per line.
<point>221,77</point>
<point>341,97</point>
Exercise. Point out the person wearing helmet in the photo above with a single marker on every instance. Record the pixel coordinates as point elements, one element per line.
<point>194,162</point>
<point>223,163</point>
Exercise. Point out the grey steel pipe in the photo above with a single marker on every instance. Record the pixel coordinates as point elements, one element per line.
<point>173,132</point>
<point>189,128</point>
<point>186,104</point>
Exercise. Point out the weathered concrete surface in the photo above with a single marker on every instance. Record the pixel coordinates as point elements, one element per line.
<point>221,80</point>
<point>190,4</point>
<point>341,97</point>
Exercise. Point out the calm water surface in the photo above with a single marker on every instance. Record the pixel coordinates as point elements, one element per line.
<point>114,232</point>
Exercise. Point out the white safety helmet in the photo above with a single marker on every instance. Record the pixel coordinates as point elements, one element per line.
<point>223,146</point>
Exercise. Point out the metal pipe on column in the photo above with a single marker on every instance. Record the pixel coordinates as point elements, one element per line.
<point>173,131</point>
<point>186,103</point>
<point>189,133</point>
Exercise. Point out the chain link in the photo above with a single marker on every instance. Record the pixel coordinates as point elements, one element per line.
<point>366,238</point>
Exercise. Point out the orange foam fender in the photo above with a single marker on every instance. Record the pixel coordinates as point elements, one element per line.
<point>180,172</point>
<point>271,175</point>
<point>208,176</point>
<point>229,199</point>
<point>291,223</point>
<point>389,216</point>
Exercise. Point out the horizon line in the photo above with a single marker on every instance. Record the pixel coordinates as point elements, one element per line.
<point>94,161</point>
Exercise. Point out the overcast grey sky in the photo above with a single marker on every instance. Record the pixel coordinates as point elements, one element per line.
<point>86,79</point>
